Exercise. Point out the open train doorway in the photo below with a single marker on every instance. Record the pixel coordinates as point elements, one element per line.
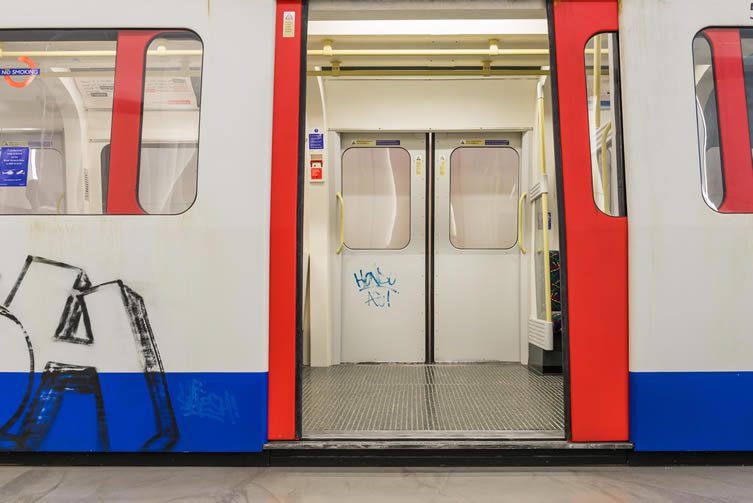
<point>431,292</point>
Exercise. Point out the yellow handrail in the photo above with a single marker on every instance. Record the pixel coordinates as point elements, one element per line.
<point>542,140</point>
<point>605,168</point>
<point>597,81</point>
<point>341,203</point>
<point>521,244</point>
<point>58,203</point>
<point>545,205</point>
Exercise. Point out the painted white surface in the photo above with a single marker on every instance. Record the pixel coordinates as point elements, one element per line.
<point>373,328</point>
<point>689,267</point>
<point>430,104</point>
<point>203,274</point>
<point>476,292</point>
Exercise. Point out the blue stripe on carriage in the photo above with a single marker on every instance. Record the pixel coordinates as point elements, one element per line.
<point>214,412</point>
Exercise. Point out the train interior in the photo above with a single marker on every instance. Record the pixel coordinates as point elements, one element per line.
<point>431,263</point>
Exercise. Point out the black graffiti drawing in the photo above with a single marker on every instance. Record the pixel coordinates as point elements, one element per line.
<point>28,426</point>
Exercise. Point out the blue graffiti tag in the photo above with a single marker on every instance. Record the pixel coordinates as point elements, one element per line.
<point>377,286</point>
<point>200,402</point>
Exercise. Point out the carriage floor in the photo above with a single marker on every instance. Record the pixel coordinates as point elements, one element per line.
<point>442,400</point>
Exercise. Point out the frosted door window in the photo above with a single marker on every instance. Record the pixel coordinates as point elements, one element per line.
<point>376,194</point>
<point>484,197</point>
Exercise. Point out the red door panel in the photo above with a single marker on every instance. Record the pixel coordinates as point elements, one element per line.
<point>596,244</point>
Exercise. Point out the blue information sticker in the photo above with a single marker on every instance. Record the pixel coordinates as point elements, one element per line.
<point>14,166</point>
<point>387,143</point>
<point>316,140</point>
<point>496,142</point>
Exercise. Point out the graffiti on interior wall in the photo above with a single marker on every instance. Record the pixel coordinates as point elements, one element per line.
<point>69,328</point>
<point>377,288</point>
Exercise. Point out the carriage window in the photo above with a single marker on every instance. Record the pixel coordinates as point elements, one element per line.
<point>56,95</point>
<point>56,98</point>
<point>484,197</point>
<point>376,193</point>
<point>170,124</point>
<point>605,123</point>
<point>723,64</point>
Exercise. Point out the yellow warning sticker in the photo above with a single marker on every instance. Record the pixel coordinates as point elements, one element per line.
<point>364,143</point>
<point>288,24</point>
<point>15,144</point>
<point>472,142</point>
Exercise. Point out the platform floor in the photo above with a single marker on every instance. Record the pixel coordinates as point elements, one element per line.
<point>481,399</point>
<point>366,485</point>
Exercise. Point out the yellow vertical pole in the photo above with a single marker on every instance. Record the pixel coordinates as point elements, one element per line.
<point>597,82</point>
<point>544,205</point>
<point>605,186</point>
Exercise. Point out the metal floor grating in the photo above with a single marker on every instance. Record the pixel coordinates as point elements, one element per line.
<point>365,399</point>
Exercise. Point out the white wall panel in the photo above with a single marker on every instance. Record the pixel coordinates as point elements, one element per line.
<point>425,105</point>
<point>689,267</point>
<point>203,274</point>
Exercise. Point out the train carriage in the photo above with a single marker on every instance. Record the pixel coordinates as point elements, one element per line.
<point>246,227</point>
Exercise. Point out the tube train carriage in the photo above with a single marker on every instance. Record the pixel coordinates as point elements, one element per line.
<point>228,224</point>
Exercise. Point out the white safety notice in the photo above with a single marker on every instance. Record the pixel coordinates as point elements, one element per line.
<point>288,24</point>
<point>160,93</point>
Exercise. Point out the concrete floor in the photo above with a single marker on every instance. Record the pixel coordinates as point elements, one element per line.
<point>230,485</point>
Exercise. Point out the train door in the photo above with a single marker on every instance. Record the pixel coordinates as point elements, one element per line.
<point>476,257</point>
<point>382,244</point>
<point>412,255</point>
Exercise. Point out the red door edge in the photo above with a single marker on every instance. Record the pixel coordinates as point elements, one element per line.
<point>283,263</point>
<point>125,133</point>
<point>596,244</point>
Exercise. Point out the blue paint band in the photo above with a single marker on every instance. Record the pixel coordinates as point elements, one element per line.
<point>691,411</point>
<point>215,412</point>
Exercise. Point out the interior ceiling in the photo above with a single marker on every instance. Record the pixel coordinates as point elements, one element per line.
<point>427,25</point>
<point>426,9</point>
<point>477,41</point>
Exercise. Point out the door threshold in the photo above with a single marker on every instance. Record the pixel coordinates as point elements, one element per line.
<point>435,435</point>
<point>442,444</point>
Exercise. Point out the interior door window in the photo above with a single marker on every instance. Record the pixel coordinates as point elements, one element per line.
<point>376,194</point>
<point>484,197</point>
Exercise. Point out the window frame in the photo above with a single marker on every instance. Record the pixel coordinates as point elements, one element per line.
<point>176,34</point>
<point>618,144</point>
<point>515,202</point>
<point>114,35</point>
<point>726,180</point>
<point>410,193</point>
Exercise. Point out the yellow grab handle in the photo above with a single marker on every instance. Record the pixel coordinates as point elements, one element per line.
<point>521,245</point>
<point>341,203</point>
<point>605,186</point>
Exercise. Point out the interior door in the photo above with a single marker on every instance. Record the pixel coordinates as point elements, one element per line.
<point>476,256</point>
<point>382,242</point>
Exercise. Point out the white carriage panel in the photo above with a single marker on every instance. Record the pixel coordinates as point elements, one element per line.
<point>203,274</point>
<point>689,266</point>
